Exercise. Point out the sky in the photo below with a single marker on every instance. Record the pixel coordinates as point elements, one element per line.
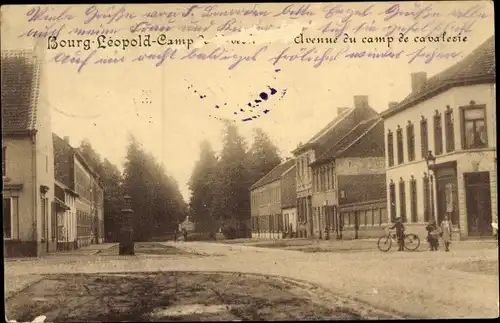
<point>159,105</point>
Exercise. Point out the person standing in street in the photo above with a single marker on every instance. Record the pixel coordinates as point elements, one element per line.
<point>446,232</point>
<point>400,233</point>
<point>432,235</point>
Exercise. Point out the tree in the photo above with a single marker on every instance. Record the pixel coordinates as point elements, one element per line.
<point>156,198</point>
<point>263,156</point>
<point>201,185</point>
<point>231,197</point>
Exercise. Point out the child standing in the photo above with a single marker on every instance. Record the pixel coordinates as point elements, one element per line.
<point>432,235</point>
<point>446,232</point>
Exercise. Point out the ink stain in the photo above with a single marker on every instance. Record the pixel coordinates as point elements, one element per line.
<point>264,96</point>
<point>246,119</point>
<point>273,90</point>
<point>277,70</point>
<point>258,101</point>
<point>216,106</point>
<point>241,110</point>
<point>202,96</point>
<point>249,104</point>
<point>266,111</point>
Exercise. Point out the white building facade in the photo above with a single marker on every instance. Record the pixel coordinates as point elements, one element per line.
<point>452,116</point>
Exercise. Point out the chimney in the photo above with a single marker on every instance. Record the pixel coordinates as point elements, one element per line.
<point>360,101</point>
<point>418,81</point>
<point>392,105</point>
<point>341,110</point>
<point>66,138</point>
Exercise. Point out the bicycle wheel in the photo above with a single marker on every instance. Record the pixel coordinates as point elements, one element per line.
<point>384,243</point>
<point>412,242</point>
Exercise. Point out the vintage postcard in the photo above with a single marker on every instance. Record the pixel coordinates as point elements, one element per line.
<point>249,161</point>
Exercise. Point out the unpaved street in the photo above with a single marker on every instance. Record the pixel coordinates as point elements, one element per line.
<point>415,284</point>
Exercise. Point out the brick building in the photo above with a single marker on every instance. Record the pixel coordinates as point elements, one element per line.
<point>452,115</point>
<point>318,145</point>
<point>265,197</point>
<point>80,196</point>
<point>349,198</point>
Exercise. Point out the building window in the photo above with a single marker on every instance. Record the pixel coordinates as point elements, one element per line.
<point>390,148</point>
<point>424,137</point>
<point>328,179</point>
<point>332,177</point>
<point>7,218</point>
<point>314,180</point>
<point>474,127</point>
<point>308,168</point>
<point>438,134</point>
<point>410,137</point>
<point>399,139</point>
<point>449,130</point>
<point>426,190</point>
<point>402,200</point>
<point>392,200</point>
<point>413,198</point>
<point>4,165</point>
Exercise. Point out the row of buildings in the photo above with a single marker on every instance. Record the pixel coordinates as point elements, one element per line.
<point>52,199</point>
<point>430,155</point>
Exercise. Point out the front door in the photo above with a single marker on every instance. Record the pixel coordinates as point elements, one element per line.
<point>447,194</point>
<point>309,212</point>
<point>478,203</point>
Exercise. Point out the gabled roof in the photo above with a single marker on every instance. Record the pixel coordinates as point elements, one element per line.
<point>274,174</point>
<point>476,68</point>
<point>324,133</point>
<point>20,74</point>
<point>353,136</point>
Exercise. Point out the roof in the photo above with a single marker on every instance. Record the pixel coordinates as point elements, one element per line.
<point>353,136</point>
<point>20,90</point>
<point>324,133</point>
<point>476,68</point>
<point>274,174</point>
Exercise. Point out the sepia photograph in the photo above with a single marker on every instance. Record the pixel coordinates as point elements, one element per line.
<point>277,161</point>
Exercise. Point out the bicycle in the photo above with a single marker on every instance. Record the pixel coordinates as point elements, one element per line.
<point>384,243</point>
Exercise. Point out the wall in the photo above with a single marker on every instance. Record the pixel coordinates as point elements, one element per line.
<point>266,202</point>
<point>19,170</point>
<point>360,165</point>
<point>45,155</point>
<point>303,173</point>
<point>83,186</point>
<point>478,159</point>
<point>289,189</point>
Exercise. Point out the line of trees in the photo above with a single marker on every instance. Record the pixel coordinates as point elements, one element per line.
<point>156,198</point>
<point>220,185</point>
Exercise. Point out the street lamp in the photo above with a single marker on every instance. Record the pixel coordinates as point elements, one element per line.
<point>430,159</point>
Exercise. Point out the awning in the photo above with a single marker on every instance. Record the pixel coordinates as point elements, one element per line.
<point>61,206</point>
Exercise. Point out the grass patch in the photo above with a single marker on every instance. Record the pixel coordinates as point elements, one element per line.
<point>175,296</point>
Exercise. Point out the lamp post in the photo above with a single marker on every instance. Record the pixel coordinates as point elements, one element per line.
<point>431,162</point>
<point>126,231</point>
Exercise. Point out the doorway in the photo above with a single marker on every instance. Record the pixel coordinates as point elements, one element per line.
<point>478,203</point>
<point>45,225</point>
<point>447,194</point>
